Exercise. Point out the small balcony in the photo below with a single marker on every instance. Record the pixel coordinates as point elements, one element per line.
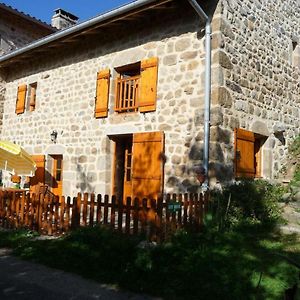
<point>127,93</point>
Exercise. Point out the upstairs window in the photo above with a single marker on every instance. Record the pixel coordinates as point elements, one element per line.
<point>135,88</point>
<point>296,55</point>
<point>127,88</point>
<point>26,98</point>
<point>31,96</point>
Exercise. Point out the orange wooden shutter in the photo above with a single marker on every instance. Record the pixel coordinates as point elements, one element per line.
<point>148,88</point>
<point>102,94</point>
<point>39,177</point>
<point>244,153</point>
<point>147,166</point>
<point>20,104</point>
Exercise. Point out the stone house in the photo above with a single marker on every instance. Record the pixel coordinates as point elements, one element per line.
<point>115,104</point>
<point>17,30</point>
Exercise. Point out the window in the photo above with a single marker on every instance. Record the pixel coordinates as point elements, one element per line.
<point>296,55</point>
<point>127,88</point>
<point>248,153</point>
<point>39,177</point>
<point>135,88</point>
<point>26,96</point>
<point>50,172</point>
<point>31,96</point>
<point>54,173</point>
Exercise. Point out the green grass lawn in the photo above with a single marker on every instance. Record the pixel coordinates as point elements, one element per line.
<point>249,262</point>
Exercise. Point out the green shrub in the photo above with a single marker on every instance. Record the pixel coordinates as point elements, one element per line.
<point>294,148</point>
<point>294,151</point>
<point>247,201</point>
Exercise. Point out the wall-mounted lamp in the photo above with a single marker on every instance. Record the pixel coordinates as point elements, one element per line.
<point>53,136</point>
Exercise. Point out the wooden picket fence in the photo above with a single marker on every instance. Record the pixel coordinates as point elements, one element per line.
<point>53,216</point>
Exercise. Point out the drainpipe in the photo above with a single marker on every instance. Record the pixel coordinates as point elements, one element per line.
<point>207,99</point>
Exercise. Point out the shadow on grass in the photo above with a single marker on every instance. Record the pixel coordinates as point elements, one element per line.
<point>250,262</point>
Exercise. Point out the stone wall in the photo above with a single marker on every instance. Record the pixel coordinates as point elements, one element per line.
<point>258,86</point>
<point>65,101</point>
<point>254,86</point>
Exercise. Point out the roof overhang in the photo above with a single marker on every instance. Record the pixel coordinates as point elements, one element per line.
<point>75,33</point>
<point>26,17</point>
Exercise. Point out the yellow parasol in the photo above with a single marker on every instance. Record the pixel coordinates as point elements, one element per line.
<point>15,159</point>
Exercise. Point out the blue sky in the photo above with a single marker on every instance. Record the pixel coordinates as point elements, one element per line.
<point>84,9</point>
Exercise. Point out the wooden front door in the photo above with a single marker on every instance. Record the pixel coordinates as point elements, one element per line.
<point>139,160</point>
<point>147,164</point>
<point>56,184</point>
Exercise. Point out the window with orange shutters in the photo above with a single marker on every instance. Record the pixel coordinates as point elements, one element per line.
<point>26,98</point>
<point>136,86</point>
<point>39,177</point>
<point>248,153</point>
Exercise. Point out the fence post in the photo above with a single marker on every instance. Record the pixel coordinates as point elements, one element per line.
<point>144,219</point>
<point>99,209</point>
<point>180,211</point>
<point>12,210</point>
<point>127,215</point>
<point>201,209</point>
<point>84,209</point>
<point>50,218</point>
<point>120,214</point>
<point>56,221</point>
<point>105,217</point>
<point>197,201</point>
<point>113,212</point>
<point>67,221</point>
<point>135,216</point>
<point>92,210</point>
<point>76,212</point>
<point>159,221</point>
<point>152,216</point>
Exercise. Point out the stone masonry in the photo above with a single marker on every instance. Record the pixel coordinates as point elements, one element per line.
<point>254,86</point>
<point>66,92</point>
<point>258,86</point>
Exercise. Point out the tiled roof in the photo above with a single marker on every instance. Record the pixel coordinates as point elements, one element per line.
<point>26,16</point>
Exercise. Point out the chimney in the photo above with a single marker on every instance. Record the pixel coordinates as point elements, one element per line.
<point>63,19</point>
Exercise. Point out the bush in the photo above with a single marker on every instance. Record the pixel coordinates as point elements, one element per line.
<point>247,201</point>
<point>294,152</point>
<point>294,148</point>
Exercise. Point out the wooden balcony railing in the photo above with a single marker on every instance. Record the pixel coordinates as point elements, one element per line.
<point>127,92</point>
